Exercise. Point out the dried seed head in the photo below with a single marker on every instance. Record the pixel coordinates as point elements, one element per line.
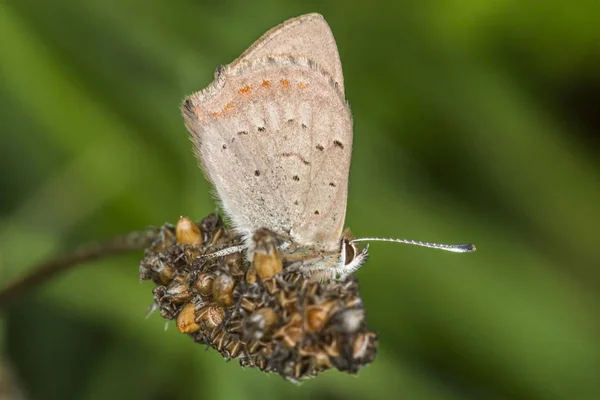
<point>267,258</point>
<point>187,232</point>
<point>186,319</point>
<point>280,323</point>
<point>223,290</point>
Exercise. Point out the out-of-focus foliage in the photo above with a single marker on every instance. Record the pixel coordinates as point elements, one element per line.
<point>474,121</point>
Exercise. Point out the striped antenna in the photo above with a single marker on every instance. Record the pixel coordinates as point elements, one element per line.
<point>455,248</point>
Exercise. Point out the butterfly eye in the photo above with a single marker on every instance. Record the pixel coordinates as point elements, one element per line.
<point>350,252</point>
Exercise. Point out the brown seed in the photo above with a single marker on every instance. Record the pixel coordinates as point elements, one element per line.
<point>216,236</point>
<point>223,290</point>
<point>261,323</point>
<point>187,232</point>
<point>204,283</point>
<point>236,324</point>
<point>352,302</point>
<point>166,239</point>
<point>234,348</point>
<point>220,340</point>
<point>165,274</point>
<point>332,349</point>
<point>255,346</point>
<point>316,316</point>
<point>347,321</point>
<point>192,253</point>
<point>251,275</point>
<point>261,364</point>
<point>320,357</point>
<point>362,343</point>
<point>271,286</point>
<point>178,289</point>
<point>210,316</point>
<point>291,333</point>
<point>288,300</point>
<point>267,258</point>
<point>234,264</point>
<point>185,319</point>
<point>248,304</point>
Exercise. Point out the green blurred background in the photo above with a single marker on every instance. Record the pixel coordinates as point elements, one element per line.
<point>475,121</point>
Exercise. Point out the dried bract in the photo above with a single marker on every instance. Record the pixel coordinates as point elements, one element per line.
<point>255,310</point>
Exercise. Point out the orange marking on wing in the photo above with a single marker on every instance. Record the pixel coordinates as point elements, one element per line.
<point>266,83</point>
<point>221,114</point>
<point>302,85</point>
<point>245,90</point>
<point>285,83</point>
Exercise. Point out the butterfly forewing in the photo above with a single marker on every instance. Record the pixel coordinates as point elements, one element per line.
<point>275,138</point>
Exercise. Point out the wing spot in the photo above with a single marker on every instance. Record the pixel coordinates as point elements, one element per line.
<point>320,148</point>
<point>338,144</point>
<point>261,128</point>
<point>304,160</point>
<point>256,173</point>
<point>285,83</point>
<point>296,178</point>
<point>245,90</point>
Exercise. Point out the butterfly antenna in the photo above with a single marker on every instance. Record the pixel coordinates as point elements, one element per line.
<point>455,248</point>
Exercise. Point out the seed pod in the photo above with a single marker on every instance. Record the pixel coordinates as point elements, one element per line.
<point>320,357</point>
<point>165,274</point>
<point>316,316</point>
<point>267,258</point>
<point>186,319</point>
<point>187,232</point>
<point>363,342</point>
<point>210,316</point>
<point>261,323</point>
<point>291,333</point>
<point>223,290</point>
<point>204,283</point>
<point>250,275</point>
<point>348,320</point>
<point>178,289</point>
